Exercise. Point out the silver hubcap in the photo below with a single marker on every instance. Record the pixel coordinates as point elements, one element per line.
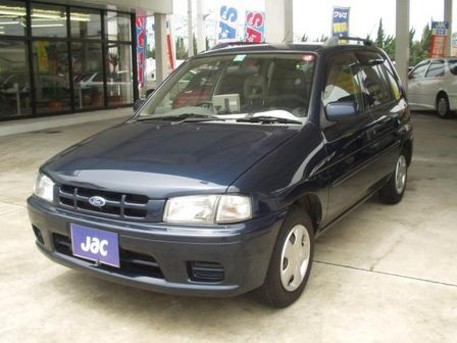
<point>400,174</point>
<point>442,106</point>
<point>295,258</point>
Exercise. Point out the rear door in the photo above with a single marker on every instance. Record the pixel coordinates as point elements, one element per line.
<point>433,82</point>
<point>384,100</point>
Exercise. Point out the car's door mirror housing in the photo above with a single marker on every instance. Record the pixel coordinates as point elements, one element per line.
<point>341,110</point>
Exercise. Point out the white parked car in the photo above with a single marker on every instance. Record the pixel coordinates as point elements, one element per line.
<point>432,85</point>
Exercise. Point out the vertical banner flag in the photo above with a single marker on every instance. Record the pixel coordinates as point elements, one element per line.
<point>255,23</point>
<point>141,48</point>
<point>170,47</point>
<point>340,21</point>
<point>228,24</point>
<point>440,32</point>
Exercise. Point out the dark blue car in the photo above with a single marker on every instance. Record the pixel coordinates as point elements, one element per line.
<point>220,186</point>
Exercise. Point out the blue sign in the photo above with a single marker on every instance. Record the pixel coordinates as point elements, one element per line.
<point>96,245</point>
<point>228,21</point>
<point>340,21</point>
<point>440,28</point>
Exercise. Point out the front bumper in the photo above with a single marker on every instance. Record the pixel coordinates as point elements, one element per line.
<point>216,261</point>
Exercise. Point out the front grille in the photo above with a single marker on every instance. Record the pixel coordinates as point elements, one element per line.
<point>119,205</point>
<point>132,263</point>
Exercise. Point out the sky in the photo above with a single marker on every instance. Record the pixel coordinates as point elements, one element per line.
<point>313,17</point>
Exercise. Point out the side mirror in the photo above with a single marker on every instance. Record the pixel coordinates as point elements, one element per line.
<point>341,110</point>
<point>138,103</point>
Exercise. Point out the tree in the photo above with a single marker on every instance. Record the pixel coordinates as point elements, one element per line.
<point>151,53</point>
<point>181,51</point>
<point>380,37</point>
<point>419,50</point>
<point>385,42</point>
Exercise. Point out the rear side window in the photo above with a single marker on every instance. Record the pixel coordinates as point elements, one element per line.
<point>376,89</point>
<point>436,69</point>
<point>453,66</point>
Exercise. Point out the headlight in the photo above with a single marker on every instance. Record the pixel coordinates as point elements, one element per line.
<point>208,209</point>
<point>44,188</point>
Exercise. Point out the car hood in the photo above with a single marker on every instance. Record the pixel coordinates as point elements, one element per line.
<point>160,159</point>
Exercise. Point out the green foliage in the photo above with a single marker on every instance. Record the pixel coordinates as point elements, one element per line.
<point>418,49</point>
<point>387,43</point>
<point>151,53</point>
<point>181,51</point>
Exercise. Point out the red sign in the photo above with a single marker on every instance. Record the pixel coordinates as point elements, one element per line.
<point>255,22</point>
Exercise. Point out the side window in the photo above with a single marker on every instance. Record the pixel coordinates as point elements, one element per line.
<point>341,84</point>
<point>436,69</point>
<point>374,84</point>
<point>419,71</point>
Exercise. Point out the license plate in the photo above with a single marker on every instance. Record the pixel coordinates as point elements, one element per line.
<point>95,245</point>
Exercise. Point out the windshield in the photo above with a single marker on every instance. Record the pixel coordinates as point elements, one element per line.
<point>237,86</point>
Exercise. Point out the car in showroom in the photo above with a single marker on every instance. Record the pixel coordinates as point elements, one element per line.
<point>227,194</point>
<point>432,86</point>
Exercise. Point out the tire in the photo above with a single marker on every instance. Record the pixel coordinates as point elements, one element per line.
<point>291,261</point>
<point>442,107</point>
<point>393,191</point>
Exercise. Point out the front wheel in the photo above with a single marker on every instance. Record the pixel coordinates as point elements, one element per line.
<point>393,191</point>
<point>291,262</point>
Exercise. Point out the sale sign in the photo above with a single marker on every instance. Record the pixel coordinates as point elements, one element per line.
<point>228,24</point>
<point>255,27</point>
<point>340,21</point>
<point>440,31</point>
<point>140,48</point>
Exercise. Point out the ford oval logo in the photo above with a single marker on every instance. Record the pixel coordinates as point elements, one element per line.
<point>97,201</point>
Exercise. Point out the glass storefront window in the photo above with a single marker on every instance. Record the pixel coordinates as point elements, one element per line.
<point>118,27</point>
<point>49,21</point>
<point>85,24</point>
<point>87,75</point>
<point>71,58</point>
<point>51,74</point>
<point>15,100</point>
<point>12,18</point>
<point>119,78</point>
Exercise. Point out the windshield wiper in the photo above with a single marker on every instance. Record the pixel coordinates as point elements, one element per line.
<point>184,117</point>
<point>267,119</point>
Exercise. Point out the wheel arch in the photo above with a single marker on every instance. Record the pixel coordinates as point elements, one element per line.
<point>408,151</point>
<point>311,203</point>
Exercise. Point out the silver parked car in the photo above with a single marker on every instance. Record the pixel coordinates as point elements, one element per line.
<point>433,86</point>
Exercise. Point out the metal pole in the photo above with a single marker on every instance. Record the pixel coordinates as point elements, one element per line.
<point>402,40</point>
<point>190,29</point>
<point>201,46</point>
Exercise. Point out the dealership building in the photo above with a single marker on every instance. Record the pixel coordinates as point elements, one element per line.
<point>59,57</point>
